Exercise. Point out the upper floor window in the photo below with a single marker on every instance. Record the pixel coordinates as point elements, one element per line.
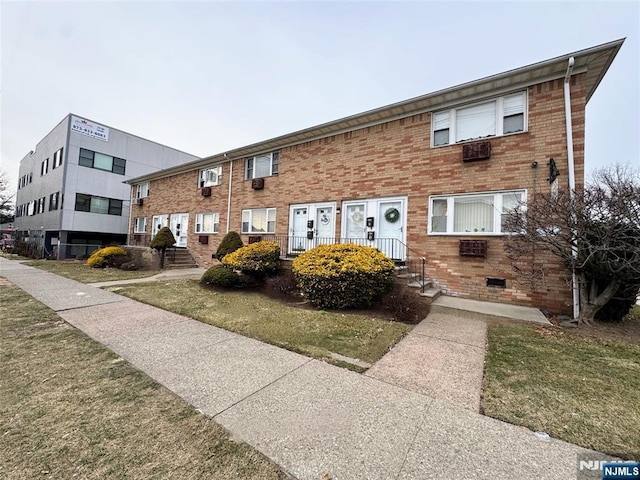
<point>41,204</point>
<point>259,220</point>
<point>44,167</point>
<point>53,201</point>
<point>261,166</point>
<point>142,190</point>
<point>207,222</point>
<point>209,177</point>
<point>140,225</point>
<point>496,117</point>
<point>474,213</point>
<point>89,203</point>
<point>57,159</point>
<point>100,161</point>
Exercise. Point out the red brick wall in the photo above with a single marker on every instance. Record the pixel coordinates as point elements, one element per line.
<point>395,159</point>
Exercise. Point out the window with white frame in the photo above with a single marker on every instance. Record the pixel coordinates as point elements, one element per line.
<point>207,222</point>
<point>473,213</point>
<point>261,166</point>
<point>140,225</point>
<point>142,190</point>
<point>259,220</point>
<point>500,116</point>
<point>209,177</point>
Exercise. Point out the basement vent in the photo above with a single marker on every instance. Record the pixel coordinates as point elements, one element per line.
<point>496,282</point>
<point>473,248</point>
<point>476,151</point>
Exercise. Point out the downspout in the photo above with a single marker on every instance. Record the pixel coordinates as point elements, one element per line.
<point>572,179</point>
<point>229,196</point>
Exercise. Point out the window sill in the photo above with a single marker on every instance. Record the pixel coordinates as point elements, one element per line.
<point>467,234</point>
<point>255,178</point>
<point>479,139</point>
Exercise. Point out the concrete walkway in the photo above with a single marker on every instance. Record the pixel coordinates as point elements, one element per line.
<point>309,417</point>
<point>442,357</point>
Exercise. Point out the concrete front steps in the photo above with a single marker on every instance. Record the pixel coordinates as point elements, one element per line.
<point>413,281</point>
<point>179,258</point>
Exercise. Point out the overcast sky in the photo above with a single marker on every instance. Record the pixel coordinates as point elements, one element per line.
<point>205,77</point>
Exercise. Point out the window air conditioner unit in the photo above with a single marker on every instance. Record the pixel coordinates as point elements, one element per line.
<point>476,151</point>
<point>257,183</point>
<point>139,202</point>
<point>203,239</point>
<point>206,192</point>
<point>473,248</point>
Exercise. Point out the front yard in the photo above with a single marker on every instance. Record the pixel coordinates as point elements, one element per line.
<point>583,390</point>
<point>310,332</point>
<point>80,271</point>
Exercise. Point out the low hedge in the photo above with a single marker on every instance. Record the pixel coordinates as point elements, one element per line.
<point>257,259</point>
<point>220,276</point>
<point>107,257</point>
<point>343,275</point>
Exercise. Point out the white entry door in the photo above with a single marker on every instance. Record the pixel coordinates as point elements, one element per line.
<point>179,228</point>
<point>378,223</point>
<point>158,222</point>
<point>311,225</point>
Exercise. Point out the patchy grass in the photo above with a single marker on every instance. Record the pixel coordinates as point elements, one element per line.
<point>81,272</point>
<point>70,408</point>
<point>311,332</point>
<point>581,390</point>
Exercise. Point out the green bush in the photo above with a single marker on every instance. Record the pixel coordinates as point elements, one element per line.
<point>257,259</point>
<point>163,239</point>
<point>229,244</point>
<point>343,275</point>
<point>220,276</point>
<point>107,257</point>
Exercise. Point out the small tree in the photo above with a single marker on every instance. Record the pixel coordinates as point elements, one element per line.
<point>161,241</point>
<point>594,232</point>
<point>229,244</point>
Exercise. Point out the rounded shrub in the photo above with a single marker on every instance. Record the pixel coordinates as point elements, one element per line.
<point>343,275</point>
<point>107,257</point>
<point>229,244</point>
<point>257,259</point>
<point>220,276</point>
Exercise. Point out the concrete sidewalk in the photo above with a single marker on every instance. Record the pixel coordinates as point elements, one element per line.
<point>309,417</point>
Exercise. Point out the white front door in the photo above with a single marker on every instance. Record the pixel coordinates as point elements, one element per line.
<point>158,222</point>
<point>378,223</point>
<point>311,225</point>
<point>179,228</point>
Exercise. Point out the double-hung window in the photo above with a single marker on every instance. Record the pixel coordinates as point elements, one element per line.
<point>207,222</point>
<point>142,190</point>
<point>473,213</point>
<point>100,161</point>
<point>261,166</point>
<point>497,117</point>
<point>259,220</point>
<point>140,225</point>
<point>209,177</point>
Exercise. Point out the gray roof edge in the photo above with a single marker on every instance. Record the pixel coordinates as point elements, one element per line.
<point>363,117</point>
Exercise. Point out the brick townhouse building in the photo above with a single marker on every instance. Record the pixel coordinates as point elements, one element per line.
<point>430,177</point>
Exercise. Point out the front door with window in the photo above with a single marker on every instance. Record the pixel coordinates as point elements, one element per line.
<point>378,223</point>
<point>311,225</point>
<point>179,228</point>
<point>158,222</point>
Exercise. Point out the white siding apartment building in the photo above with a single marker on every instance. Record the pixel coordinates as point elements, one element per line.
<point>71,197</point>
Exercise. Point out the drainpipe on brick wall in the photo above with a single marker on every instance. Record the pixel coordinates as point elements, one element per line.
<point>572,178</point>
<point>229,197</point>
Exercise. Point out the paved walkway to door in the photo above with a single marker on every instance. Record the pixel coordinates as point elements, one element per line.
<point>442,357</point>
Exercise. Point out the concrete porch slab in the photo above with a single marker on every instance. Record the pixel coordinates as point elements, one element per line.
<point>515,312</point>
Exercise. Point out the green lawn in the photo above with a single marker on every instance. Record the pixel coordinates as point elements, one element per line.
<point>582,390</point>
<point>81,272</point>
<point>311,332</point>
<point>70,408</point>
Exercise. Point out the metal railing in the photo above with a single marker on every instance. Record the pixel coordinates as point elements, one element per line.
<point>140,240</point>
